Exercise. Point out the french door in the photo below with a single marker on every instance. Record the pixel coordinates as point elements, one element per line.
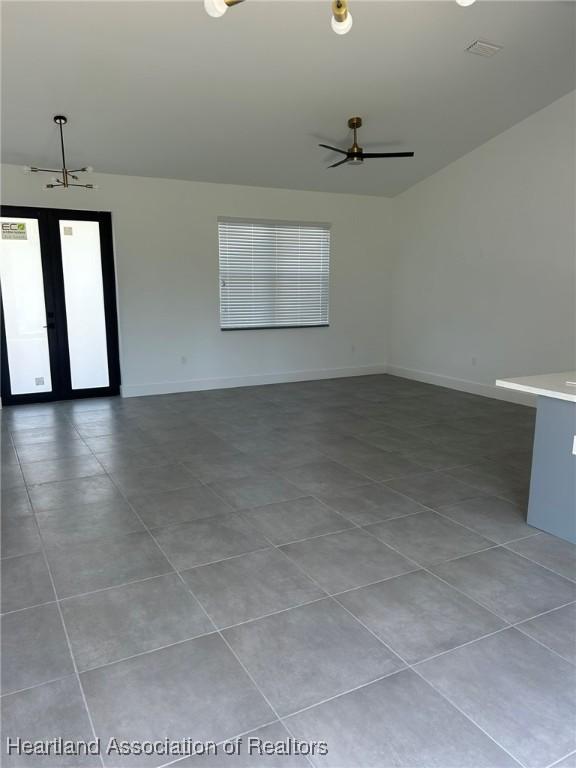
<point>58,309</point>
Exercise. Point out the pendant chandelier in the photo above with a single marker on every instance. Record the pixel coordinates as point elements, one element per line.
<point>66,177</point>
<point>341,20</point>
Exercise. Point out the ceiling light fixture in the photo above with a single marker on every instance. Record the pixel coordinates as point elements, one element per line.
<point>68,177</point>
<point>341,17</point>
<point>217,8</point>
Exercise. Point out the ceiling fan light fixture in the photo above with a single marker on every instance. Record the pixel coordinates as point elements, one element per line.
<point>341,17</point>
<point>465,3</point>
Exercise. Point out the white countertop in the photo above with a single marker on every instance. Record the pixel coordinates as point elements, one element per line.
<point>548,384</point>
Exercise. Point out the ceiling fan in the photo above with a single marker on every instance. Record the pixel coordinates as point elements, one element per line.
<point>355,155</point>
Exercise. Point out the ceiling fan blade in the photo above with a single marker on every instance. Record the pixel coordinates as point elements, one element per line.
<point>387,154</point>
<point>340,162</point>
<point>334,149</point>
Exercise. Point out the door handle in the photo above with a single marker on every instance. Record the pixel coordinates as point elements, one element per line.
<point>49,325</point>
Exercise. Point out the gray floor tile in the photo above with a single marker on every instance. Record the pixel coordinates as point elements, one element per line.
<point>123,621</point>
<point>298,519</point>
<point>8,455</point>
<point>107,443</point>
<point>86,490</point>
<point>518,692</point>
<point>378,464</point>
<point>341,561</point>
<point>25,582</point>
<point>40,714</point>
<point>434,489</point>
<point>256,490</point>
<point>223,464</point>
<point>372,503</point>
<point>286,457</point>
<point>50,451</point>
<point>61,469</point>
<point>391,438</point>
<point>79,523</point>
<point>302,656</point>
<point>101,563</point>
<point>122,457</point>
<point>489,478</point>
<point>428,538</point>
<point>20,536</point>
<point>11,477</point>
<point>497,519</point>
<point>507,584</point>
<point>34,648</point>
<point>252,752</point>
<point>15,503</point>
<point>250,586</point>
<point>206,541</point>
<point>150,479</point>
<point>194,689</point>
<point>549,551</point>
<point>398,722</point>
<point>419,616</point>
<point>38,435</point>
<point>556,630</point>
<point>437,457</point>
<point>182,506</point>
<point>322,477</point>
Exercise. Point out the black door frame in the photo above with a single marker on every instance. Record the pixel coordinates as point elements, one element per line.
<point>56,306</point>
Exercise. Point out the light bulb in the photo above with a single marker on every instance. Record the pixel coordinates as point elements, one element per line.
<point>465,3</point>
<point>54,180</point>
<point>88,169</point>
<point>342,27</point>
<point>215,8</point>
<point>26,169</point>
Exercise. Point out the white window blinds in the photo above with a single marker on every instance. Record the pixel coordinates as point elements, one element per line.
<point>273,275</point>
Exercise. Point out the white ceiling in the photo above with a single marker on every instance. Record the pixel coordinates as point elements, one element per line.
<point>160,89</point>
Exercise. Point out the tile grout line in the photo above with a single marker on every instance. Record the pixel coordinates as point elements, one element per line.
<point>564,757</point>
<point>208,616</point>
<point>411,667</point>
<point>65,629</point>
<point>407,664</point>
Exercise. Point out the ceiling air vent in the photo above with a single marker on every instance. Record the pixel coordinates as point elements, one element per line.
<point>481,48</point>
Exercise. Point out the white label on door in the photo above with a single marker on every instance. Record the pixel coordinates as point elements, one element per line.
<point>14,230</point>
<point>68,231</point>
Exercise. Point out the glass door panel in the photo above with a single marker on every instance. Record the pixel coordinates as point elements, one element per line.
<point>84,296</point>
<point>24,305</point>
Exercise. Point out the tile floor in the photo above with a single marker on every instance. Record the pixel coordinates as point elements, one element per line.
<point>343,561</point>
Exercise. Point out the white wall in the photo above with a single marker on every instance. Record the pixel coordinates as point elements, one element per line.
<point>482,282</point>
<point>166,252</point>
<point>467,277</point>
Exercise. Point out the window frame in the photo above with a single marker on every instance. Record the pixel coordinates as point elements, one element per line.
<point>273,223</point>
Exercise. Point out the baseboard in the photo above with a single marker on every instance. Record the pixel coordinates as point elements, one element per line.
<point>464,385</point>
<point>196,385</point>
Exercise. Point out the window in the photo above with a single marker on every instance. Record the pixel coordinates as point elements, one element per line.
<point>273,274</point>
